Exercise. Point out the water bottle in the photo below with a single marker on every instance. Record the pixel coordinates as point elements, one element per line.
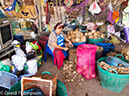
<point>14,70</point>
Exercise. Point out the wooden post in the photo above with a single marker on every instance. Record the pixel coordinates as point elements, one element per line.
<point>40,17</point>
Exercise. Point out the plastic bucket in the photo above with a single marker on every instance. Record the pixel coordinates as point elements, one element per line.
<point>112,81</point>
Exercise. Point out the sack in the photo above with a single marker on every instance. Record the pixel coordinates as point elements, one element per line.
<point>110,29</point>
<point>94,8</point>
<point>86,60</point>
<point>91,26</point>
<point>109,17</point>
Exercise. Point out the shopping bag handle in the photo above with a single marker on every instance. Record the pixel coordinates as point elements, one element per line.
<point>46,72</point>
<point>112,70</point>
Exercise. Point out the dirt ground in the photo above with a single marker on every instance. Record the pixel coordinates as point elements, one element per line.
<point>87,88</point>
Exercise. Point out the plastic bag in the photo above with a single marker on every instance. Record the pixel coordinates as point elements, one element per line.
<point>94,8</point>
<point>110,29</point>
<point>110,6</point>
<point>91,26</point>
<point>109,17</point>
<point>18,61</point>
<point>28,47</point>
<point>19,52</point>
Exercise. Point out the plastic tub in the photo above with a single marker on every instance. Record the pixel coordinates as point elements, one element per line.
<point>92,41</point>
<point>112,81</point>
<point>107,47</point>
<point>76,44</point>
<point>7,79</point>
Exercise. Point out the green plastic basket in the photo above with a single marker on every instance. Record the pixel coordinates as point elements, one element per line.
<point>92,41</point>
<point>16,89</point>
<point>121,57</point>
<point>112,81</point>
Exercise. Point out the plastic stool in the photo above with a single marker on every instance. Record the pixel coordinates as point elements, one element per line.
<point>48,50</point>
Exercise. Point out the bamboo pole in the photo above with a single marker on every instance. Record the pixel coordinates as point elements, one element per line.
<point>40,17</point>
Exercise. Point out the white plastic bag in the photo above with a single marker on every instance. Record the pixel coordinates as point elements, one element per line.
<point>94,8</point>
<point>28,47</point>
<point>110,5</point>
<point>19,52</point>
<point>18,61</point>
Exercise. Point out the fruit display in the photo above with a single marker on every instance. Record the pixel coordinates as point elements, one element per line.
<point>76,36</point>
<point>94,35</point>
<point>120,69</point>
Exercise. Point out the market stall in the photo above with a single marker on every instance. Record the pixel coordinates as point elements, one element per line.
<point>97,32</point>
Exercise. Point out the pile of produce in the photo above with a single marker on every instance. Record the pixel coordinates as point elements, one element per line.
<point>76,36</point>
<point>94,35</point>
<point>120,69</point>
<point>126,53</point>
<point>70,73</point>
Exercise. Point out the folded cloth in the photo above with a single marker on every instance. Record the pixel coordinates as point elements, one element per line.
<point>58,57</point>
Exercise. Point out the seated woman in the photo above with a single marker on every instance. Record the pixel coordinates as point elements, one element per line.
<point>57,45</point>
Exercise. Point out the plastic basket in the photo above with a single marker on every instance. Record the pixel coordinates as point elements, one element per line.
<point>112,81</point>
<point>7,79</point>
<point>92,41</point>
<point>76,44</point>
<point>106,46</point>
<point>16,89</point>
<point>121,57</point>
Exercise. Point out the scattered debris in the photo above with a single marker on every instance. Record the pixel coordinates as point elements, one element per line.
<point>70,73</point>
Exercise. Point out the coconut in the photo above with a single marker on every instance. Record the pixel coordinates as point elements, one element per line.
<point>73,35</point>
<point>83,39</point>
<point>86,34</point>
<point>77,39</point>
<point>95,37</point>
<point>69,37</point>
<point>95,34</point>
<point>91,36</point>
<point>73,40</point>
